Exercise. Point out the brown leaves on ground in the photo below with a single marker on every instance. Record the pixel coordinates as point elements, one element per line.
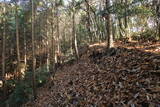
<point>119,76</point>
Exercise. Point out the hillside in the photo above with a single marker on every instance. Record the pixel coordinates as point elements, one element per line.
<point>127,75</point>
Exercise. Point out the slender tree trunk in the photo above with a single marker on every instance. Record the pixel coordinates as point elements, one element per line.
<point>158,17</point>
<point>74,36</point>
<point>17,35</point>
<point>88,20</point>
<point>4,52</point>
<point>113,30</point>
<point>99,21</point>
<point>57,34</point>
<point>120,28</point>
<point>159,30</point>
<point>57,27</point>
<point>25,46</point>
<point>58,45</point>
<point>110,43</point>
<point>40,44</point>
<point>105,30</point>
<point>93,28</point>
<point>71,44</point>
<point>52,49</point>
<point>127,31</point>
<point>45,42</point>
<point>33,52</point>
<point>48,41</point>
<point>125,18</point>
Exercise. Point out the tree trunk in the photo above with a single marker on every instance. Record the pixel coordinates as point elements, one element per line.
<point>41,43</point>
<point>88,20</point>
<point>158,16</point>
<point>57,30</point>
<point>127,27</point>
<point>33,52</point>
<point>159,30</point>
<point>110,43</point>
<point>74,36</point>
<point>52,49</point>
<point>4,52</point>
<point>25,46</point>
<point>17,35</point>
<point>47,41</point>
<point>125,18</point>
<point>121,30</point>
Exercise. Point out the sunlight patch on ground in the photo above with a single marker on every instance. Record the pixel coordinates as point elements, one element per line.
<point>98,44</point>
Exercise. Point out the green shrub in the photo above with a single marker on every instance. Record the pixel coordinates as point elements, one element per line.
<point>23,89</point>
<point>148,35</point>
<point>20,95</point>
<point>42,75</point>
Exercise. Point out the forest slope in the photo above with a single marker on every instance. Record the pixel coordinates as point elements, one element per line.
<point>121,76</point>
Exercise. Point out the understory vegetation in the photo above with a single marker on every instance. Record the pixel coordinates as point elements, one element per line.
<point>73,53</point>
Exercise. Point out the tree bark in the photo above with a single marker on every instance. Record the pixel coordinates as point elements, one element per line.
<point>3,53</point>
<point>74,36</point>
<point>33,52</point>
<point>47,41</point>
<point>110,43</point>
<point>125,18</point>
<point>17,35</point>
<point>57,28</point>
<point>25,46</point>
<point>88,20</point>
<point>52,50</point>
<point>127,27</point>
<point>158,16</point>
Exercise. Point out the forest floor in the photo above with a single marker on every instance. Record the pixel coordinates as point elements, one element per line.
<point>127,75</point>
